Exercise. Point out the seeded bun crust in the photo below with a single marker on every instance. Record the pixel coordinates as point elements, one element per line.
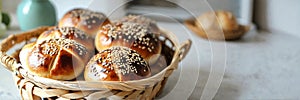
<point>68,33</point>
<point>117,64</point>
<point>151,24</point>
<point>85,20</point>
<point>132,35</point>
<point>60,59</point>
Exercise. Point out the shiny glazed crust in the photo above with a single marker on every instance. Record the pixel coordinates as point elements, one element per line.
<point>85,20</point>
<point>60,59</point>
<point>117,64</point>
<point>151,24</point>
<point>135,36</point>
<point>68,33</point>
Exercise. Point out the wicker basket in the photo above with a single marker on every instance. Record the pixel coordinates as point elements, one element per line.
<point>32,87</point>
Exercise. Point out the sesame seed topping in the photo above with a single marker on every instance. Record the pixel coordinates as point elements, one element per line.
<point>137,34</point>
<point>86,14</point>
<point>89,26</point>
<point>137,19</point>
<point>88,17</point>
<point>68,31</point>
<point>52,46</point>
<point>126,60</point>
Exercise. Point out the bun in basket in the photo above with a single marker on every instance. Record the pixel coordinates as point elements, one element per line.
<point>133,35</point>
<point>68,33</point>
<point>117,64</point>
<point>151,24</point>
<point>60,59</point>
<point>85,20</point>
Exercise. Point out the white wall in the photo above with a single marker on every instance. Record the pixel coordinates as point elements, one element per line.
<point>10,5</point>
<point>272,15</point>
<point>200,6</point>
<point>278,15</point>
<point>242,9</point>
<point>62,6</point>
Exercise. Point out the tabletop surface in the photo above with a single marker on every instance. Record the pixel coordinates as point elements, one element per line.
<point>261,65</point>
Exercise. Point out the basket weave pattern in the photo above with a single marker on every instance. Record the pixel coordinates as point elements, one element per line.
<point>33,87</point>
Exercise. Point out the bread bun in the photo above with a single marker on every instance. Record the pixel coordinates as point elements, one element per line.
<point>133,35</point>
<point>85,20</point>
<point>68,33</point>
<point>227,20</point>
<point>140,20</point>
<point>212,20</point>
<point>209,23</point>
<point>117,64</point>
<point>60,59</point>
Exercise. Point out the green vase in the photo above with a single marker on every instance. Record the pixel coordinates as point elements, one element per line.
<point>35,13</point>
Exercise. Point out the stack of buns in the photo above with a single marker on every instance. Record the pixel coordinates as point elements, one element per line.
<point>125,49</point>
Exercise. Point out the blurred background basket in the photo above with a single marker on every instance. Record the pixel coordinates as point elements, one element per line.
<point>34,87</point>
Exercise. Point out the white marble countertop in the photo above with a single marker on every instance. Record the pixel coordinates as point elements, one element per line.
<point>261,65</point>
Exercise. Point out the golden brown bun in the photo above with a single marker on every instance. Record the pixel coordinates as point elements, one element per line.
<point>85,20</point>
<point>60,59</point>
<point>209,24</point>
<point>117,64</point>
<point>135,36</point>
<point>228,20</point>
<point>140,20</point>
<point>68,33</point>
<point>209,21</point>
